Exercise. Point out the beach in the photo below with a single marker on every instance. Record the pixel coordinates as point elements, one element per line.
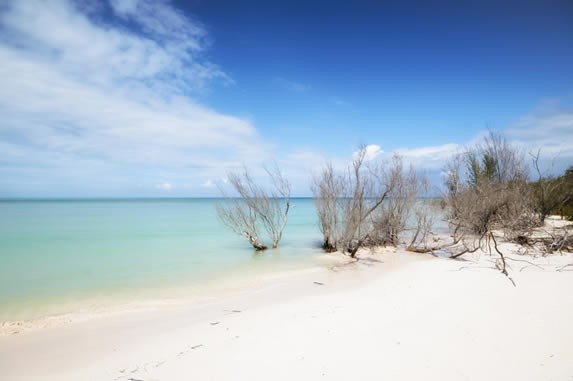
<point>390,315</point>
<point>285,190</point>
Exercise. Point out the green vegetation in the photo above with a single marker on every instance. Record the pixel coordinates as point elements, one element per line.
<point>554,195</point>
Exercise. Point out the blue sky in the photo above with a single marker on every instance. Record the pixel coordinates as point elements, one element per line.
<point>159,98</point>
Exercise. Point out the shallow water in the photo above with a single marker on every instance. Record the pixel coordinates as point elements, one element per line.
<point>59,256</point>
<point>57,252</point>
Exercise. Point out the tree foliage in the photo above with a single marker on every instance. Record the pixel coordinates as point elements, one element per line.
<point>552,195</point>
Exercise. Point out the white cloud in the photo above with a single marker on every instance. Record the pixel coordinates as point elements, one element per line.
<point>124,7</point>
<point>302,164</point>
<point>65,36</point>
<point>159,18</point>
<point>164,186</point>
<point>430,157</point>
<point>208,184</point>
<point>76,89</point>
<point>431,152</point>
<point>372,151</point>
<point>550,131</point>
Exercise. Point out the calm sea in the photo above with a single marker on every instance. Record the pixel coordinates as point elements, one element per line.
<point>57,252</point>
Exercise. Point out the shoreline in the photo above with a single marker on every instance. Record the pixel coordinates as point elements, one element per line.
<point>395,307</point>
<point>126,301</point>
<point>237,281</point>
<point>62,256</point>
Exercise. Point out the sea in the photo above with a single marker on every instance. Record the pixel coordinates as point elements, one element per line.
<point>59,254</point>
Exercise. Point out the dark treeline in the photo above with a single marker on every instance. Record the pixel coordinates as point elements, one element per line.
<point>553,195</point>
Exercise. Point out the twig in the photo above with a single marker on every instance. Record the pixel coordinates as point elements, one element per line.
<point>473,267</point>
<point>466,251</point>
<point>562,268</point>
<point>504,268</point>
<point>420,250</point>
<point>523,260</point>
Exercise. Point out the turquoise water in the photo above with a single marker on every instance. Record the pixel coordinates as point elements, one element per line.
<point>58,251</point>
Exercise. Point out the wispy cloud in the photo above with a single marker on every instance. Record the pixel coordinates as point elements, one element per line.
<point>164,186</point>
<point>550,131</point>
<point>291,85</point>
<point>339,101</point>
<point>81,91</point>
<point>208,184</point>
<point>430,157</point>
<point>371,152</point>
<point>104,96</point>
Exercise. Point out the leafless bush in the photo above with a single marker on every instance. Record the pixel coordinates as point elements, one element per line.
<point>404,190</point>
<point>487,191</point>
<point>327,190</point>
<point>423,215</point>
<point>359,198</point>
<point>367,205</point>
<point>257,209</point>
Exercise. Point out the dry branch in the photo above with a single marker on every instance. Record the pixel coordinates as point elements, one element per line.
<point>365,206</point>
<point>256,208</point>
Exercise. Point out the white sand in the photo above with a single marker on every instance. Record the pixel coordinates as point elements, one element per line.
<point>423,319</point>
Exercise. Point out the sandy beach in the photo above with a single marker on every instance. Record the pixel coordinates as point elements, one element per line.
<point>391,315</point>
<point>286,190</point>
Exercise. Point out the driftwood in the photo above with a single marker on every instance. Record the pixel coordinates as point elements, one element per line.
<point>503,266</point>
<point>550,242</point>
<point>421,250</point>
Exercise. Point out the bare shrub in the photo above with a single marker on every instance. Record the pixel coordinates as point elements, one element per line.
<point>327,190</point>
<point>366,205</point>
<point>391,216</point>
<point>487,190</point>
<point>257,209</point>
<point>423,216</point>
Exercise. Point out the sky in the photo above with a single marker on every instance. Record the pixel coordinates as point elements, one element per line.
<point>142,98</point>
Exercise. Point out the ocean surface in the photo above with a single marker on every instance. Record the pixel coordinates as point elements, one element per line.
<point>60,256</point>
<point>57,254</point>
